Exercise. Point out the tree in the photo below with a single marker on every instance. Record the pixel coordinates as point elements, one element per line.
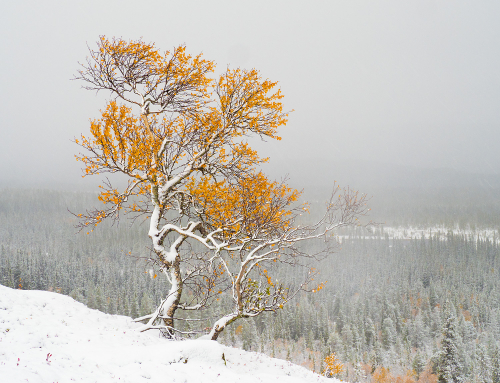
<point>259,220</point>
<point>333,367</point>
<point>495,357</point>
<point>484,365</point>
<point>188,124</point>
<point>178,137</point>
<point>388,333</point>
<point>382,375</point>
<point>449,366</point>
<point>418,363</point>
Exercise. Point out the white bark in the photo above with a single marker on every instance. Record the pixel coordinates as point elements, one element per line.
<point>219,326</point>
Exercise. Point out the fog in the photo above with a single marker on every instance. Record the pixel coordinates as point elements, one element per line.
<point>381,86</point>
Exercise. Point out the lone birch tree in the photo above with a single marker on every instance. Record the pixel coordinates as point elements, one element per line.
<point>179,137</point>
<point>169,123</point>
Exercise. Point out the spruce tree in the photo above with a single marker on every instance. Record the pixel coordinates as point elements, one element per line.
<point>418,364</point>
<point>495,371</point>
<point>484,365</point>
<point>134,306</point>
<point>146,304</point>
<point>450,367</point>
<point>388,333</point>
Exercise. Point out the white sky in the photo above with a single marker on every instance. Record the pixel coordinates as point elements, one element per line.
<point>409,82</point>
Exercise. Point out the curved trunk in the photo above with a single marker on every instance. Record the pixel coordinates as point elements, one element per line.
<point>221,324</point>
<point>174,296</point>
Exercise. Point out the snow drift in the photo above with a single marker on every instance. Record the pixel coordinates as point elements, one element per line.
<point>48,337</point>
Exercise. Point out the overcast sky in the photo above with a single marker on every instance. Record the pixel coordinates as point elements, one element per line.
<point>409,82</point>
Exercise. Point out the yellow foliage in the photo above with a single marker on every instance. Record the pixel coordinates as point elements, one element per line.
<point>333,366</point>
<point>125,60</point>
<point>408,378</point>
<point>319,287</point>
<point>382,375</point>
<point>198,124</point>
<point>249,204</point>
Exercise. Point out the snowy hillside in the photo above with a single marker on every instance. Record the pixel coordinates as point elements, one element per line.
<point>48,337</point>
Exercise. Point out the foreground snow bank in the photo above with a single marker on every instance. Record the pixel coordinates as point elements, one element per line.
<point>48,337</point>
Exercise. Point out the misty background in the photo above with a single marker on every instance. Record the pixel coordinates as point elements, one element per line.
<point>385,94</point>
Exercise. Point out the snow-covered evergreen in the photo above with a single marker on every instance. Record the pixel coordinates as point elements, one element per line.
<point>450,366</point>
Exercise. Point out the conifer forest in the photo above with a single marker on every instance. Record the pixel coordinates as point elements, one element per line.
<point>416,303</point>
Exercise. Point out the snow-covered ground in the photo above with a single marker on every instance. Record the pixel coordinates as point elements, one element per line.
<point>48,337</point>
<point>434,232</point>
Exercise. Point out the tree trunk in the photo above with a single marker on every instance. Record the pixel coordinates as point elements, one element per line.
<point>174,296</point>
<point>221,324</point>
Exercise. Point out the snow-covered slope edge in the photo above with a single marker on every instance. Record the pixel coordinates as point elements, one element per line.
<point>48,337</point>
